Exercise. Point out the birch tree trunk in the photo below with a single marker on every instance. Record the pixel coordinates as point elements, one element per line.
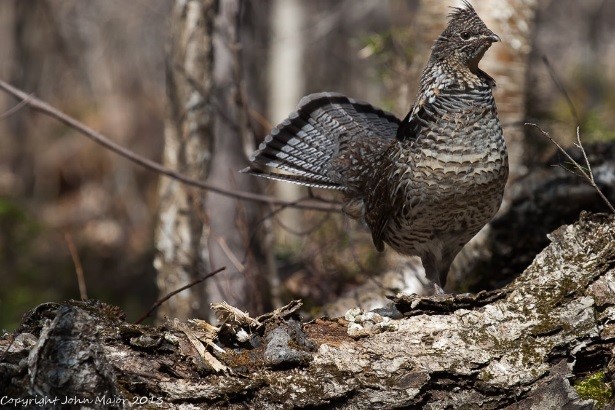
<point>181,252</point>
<point>207,138</point>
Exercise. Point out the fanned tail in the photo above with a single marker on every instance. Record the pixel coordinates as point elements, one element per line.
<point>306,144</point>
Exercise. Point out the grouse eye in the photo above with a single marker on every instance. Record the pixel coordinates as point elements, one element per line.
<point>465,35</point>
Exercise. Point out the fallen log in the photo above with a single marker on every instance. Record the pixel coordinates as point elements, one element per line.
<point>546,340</point>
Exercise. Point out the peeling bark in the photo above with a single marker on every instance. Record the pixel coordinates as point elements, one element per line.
<point>206,138</point>
<point>523,346</point>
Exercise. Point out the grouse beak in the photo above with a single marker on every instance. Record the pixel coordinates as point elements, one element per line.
<point>494,38</point>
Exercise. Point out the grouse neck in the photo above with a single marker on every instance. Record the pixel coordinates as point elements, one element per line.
<point>452,73</point>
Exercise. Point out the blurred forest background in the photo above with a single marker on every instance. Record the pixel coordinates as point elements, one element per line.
<point>109,63</point>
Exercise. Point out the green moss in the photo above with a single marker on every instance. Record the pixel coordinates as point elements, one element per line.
<point>595,388</point>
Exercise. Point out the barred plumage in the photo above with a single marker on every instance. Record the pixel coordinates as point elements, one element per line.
<point>313,139</point>
<point>425,185</point>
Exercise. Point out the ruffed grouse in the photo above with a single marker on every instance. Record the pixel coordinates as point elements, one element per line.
<point>425,185</point>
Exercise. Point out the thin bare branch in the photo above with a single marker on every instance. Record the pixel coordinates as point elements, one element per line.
<point>259,118</point>
<point>570,171</point>
<point>562,150</point>
<point>16,108</point>
<point>83,290</point>
<point>271,215</point>
<point>561,88</point>
<point>229,254</point>
<point>304,232</point>
<point>176,291</point>
<point>50,111</point>
<point>589,167</point>
<point>587,175</point>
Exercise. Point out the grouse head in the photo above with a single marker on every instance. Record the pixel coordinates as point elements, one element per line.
<point>465,39</point>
